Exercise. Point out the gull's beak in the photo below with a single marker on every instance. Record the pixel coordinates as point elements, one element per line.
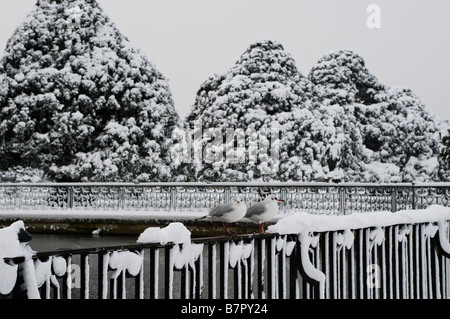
<point>281,200</point>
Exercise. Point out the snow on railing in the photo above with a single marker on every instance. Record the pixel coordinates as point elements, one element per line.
<point>374,255</point>
<point>320,198</point>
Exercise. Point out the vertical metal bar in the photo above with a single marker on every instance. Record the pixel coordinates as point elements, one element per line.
<point>152,273</point>
<point>19,197</point>
<point>121,197</point>
<point>70,197</point>
<point>84,265</point>
<point>139,280</point>
<point>411,269</point>
<point>101,275</point>
<point>184,278</point>
<point>168,276</point>
<point>341,200</point>
<point>282,273</point>
<point>173,198</point>
<point>397,263</point>
<point>333,266</point>
<point>393,199</point>
<point>359,264</point>
<point>120,282</point>
<point>237,282</point>
<point>223,271</point>
<point>417,265</point>
<point>342,273</point>
<point>423,274</point>
<point>325,243</point>
<point>67,283</point>
<point>351,272</point>
<point>251,265</point>
<point>435,273</point>
<point>198,277</point>
<point>270,247</point>
<point>390,266</point>
<point>261,260</point>
<point>293,271</point>
<point>212,270</point>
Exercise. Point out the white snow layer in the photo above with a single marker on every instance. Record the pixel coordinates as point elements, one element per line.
<point>299,222</point>
<point>175,233</point>
<point>183,254</point>
<point>10,247</point>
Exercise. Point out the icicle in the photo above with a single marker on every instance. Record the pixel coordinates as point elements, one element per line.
<point>289,247</point>
<point>376,237</point>
<point>235,253</point>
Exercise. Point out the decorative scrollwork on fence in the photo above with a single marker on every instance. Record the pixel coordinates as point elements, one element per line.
<point>329,199</point>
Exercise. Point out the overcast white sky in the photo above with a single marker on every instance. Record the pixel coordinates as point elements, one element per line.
<point>189,40</point>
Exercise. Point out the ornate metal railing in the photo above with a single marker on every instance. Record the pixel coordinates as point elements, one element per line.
<point>395,261</point>
<point>321,198</point>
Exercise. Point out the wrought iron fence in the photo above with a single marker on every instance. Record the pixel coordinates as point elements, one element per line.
<point>398,261</point>
<point>320,198</point>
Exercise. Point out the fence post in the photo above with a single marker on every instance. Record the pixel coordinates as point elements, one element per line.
<point>341,200</point>
<point>173,198</point>
<point>393,199</point>
<point>19,197</point>
<point>121,197</point>
<point>413,189</point>
<point>70,197</point>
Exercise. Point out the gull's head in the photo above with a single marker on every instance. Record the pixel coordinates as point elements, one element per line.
<point>273,198</point>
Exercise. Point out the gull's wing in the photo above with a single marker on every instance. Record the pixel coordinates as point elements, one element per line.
<point>221,210</point>
<point>256,209</point>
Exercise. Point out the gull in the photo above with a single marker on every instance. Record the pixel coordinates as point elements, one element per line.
<point>263,211</point>
<point>227,213</point>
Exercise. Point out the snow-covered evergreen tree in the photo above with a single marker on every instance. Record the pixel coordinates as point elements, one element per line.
<point>80,102</point>
<point>343,85</point>
<point>339,124</point>
<point>402,133</point>
<point>388,135</point>
<point>258,96</point>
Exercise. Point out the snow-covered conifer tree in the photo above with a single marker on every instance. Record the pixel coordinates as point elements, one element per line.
<point>257,95</point>
<point>80,102</point>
